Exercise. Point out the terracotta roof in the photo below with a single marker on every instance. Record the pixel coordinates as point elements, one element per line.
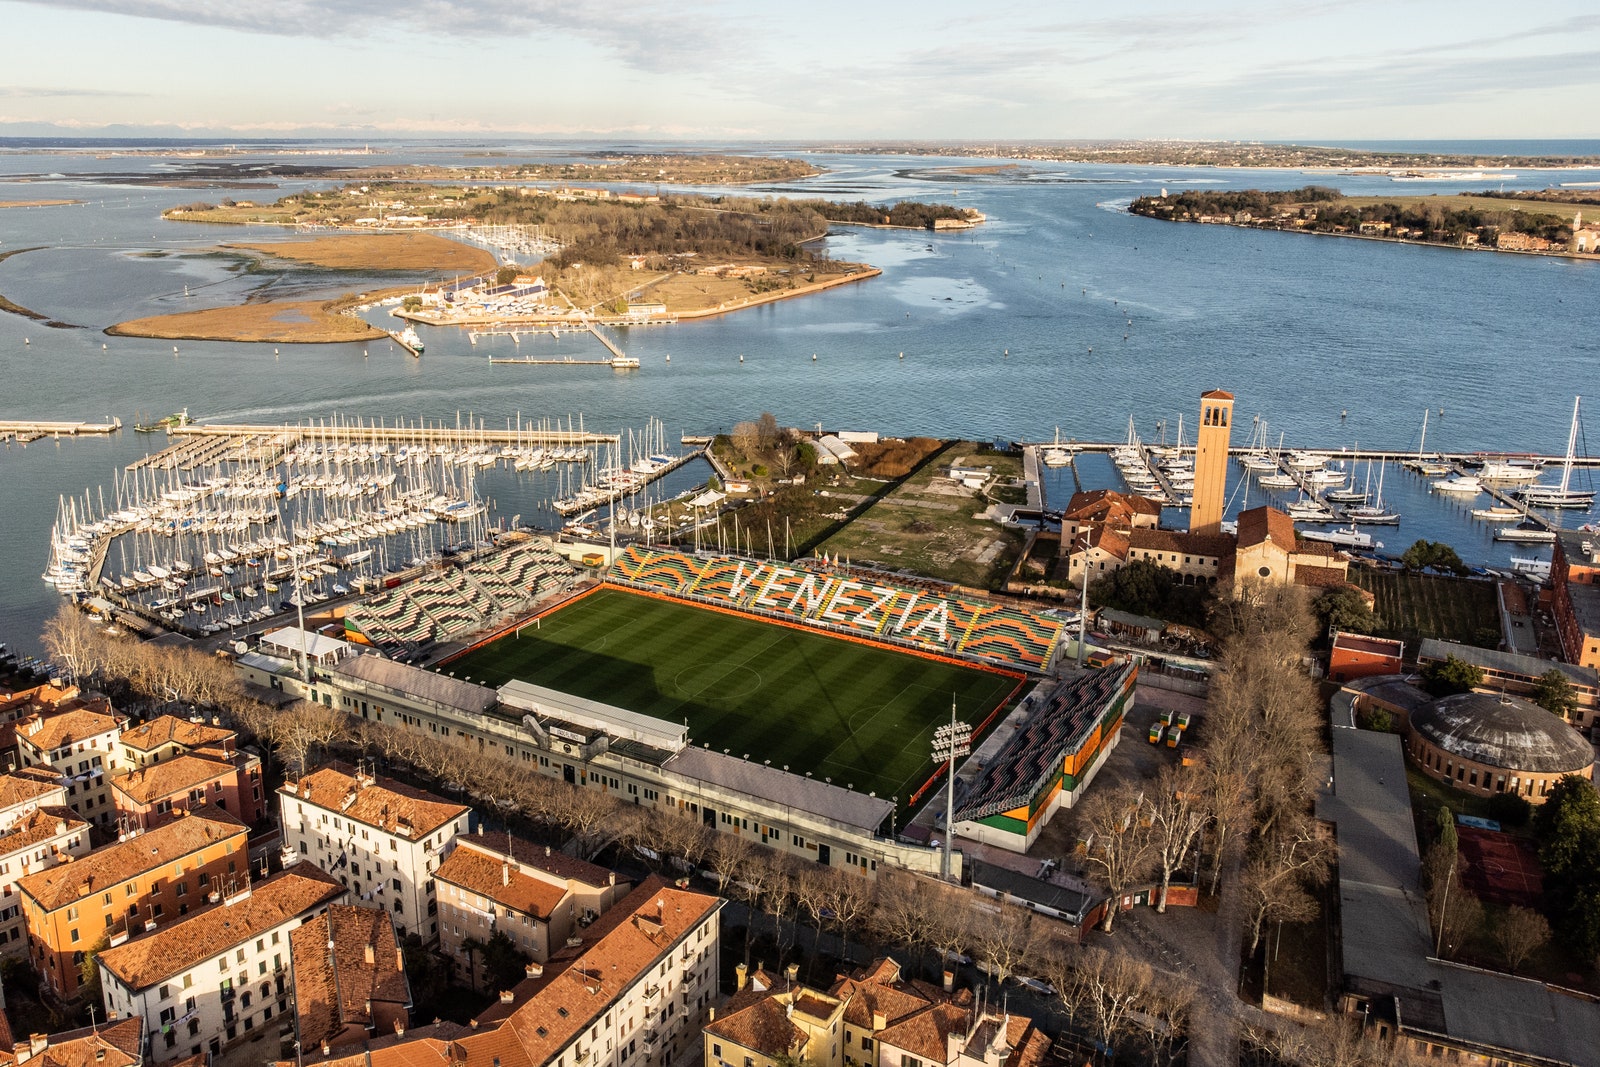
<point>119,1043</point>
<point>115,864</point>
<point>179,774</point>
<point>487,874</point>
<point>881,990</point>
<point>384,804</point>
<point>420,1046</point>
<point>1266,524</point>
<point>1109,540</point>
<point>28,784</point>
<point>1216,546</point>
<point>171,730</point>
<point>644,927</point>
<point>46,695</point>
<point>50,732</point>
<point>761,1024</point>
<point>1315,548</point>
<point>1216,394</point>
<point>333,990</point>
<point>39,825</point>
<point>925,1034</point>
<point>1101,503</point>
<point>216,928</point>
<point>1322,578</point>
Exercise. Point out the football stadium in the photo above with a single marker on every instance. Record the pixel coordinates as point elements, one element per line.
<point>807,666</point>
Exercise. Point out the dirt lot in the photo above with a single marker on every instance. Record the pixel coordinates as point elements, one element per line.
<point>390,251</point>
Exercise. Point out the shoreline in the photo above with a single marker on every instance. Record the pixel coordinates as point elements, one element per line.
<point>1582,257</point>
<point>322,322</point>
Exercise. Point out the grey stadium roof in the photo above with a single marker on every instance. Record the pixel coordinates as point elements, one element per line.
<point>1502,731</point>
<point>777,786</point>
<point>415,682</point>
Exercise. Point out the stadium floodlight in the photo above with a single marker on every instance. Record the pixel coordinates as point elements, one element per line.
<point>949,741</point>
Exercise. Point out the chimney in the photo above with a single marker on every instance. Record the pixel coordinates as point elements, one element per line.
<point>741,974</point>
<point>399,958</point>
<point>37,1043</point>
<point>505,873</point>
<point>534,970</point>
<point>792,972</point>
<point>371,953</point>
<point>325,1048</point>
<point>949,981</point>
<point>880,1021</point>
<point>400,1027</point>
<point>506,996</point>
<point>713,1017</point>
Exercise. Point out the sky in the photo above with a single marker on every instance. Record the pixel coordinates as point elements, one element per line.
<point>821,70</point>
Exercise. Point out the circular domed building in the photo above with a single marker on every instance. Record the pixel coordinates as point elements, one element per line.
<point>1485,743</point>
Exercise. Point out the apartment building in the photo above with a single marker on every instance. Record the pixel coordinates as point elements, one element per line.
<point>81,745</point>
<point>349,979</point>
<point>381,838</point>
<point>142,881</point>
<point>37,831</point>
<point>219,973</point>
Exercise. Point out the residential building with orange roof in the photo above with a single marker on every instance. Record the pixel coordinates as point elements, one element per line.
<point>381,838</point>
<point>770,1021</point>
<point>81,744</point>
<point>38,834</point>
<point>1100,547</point>
<point>114,1043</point>
<point>349,979</point>
<point>635,993</point>
<point>168,736</point>
<point>1123,511</point>
<point>149,795</point>
<point>1197,557</point>
<point>22,791</point>
<point>143,880</point>
<point>219,973</point>
<point>535,896</point>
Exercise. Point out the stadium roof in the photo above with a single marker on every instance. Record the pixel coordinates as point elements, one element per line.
<point>592,714</point>
<point>295,641</point>
<point>415,682</point>
<point>1031,757</point>
<point>833,802</point>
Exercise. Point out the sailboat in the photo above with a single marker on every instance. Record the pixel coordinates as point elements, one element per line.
<point>1431,468</point>
<point>1055,455</point>
<point>1373,514</point>
<point>1562,495</point>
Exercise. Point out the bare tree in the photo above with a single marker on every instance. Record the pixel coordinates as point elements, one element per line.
<point>1283,864</point>
<point>746,439</point>
<point>303,727</point>
<point>585,812</point>
<point>901,911</point>
<point>1519,934</point>
<point>780,902</point>
<point>1110,985</point>
<point>75,642</point>
<point>1453,911</point>
<point>1176,819</point>
<point>1116,841</point>
<point>1163,1017</point>
<point>767,429</point>
<point>951,919</point>
<point>813,897</point>
<point>1004,939</point>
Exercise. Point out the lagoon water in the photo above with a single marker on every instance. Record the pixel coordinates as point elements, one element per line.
<point>1010,330</point>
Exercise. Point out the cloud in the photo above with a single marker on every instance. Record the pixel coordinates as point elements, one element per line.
<point>690,34</point>
<point>40,92</point>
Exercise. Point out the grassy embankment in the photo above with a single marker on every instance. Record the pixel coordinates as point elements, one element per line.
<point>314,321</point>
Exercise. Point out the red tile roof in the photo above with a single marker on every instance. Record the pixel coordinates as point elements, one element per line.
<point>179,774</point>
<point>216,928</point>
<point>119,1043</point>
<point>29,783</point>
<point>336,988</point>
<point>115,864</point>
<point>1215,546</point>
<point>171,730</point>
<point>1266,524</point>
<point>381,803</point>
<point>479,871</point>
<point>38,826</point>
<point>1216,394</point>
<point>50,732</point>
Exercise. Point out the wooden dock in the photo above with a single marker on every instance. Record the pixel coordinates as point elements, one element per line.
<point>555,362</point>
<point>1338,453</point>
<point>408,433</point>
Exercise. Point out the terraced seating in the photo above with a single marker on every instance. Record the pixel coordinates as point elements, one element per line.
<point>1009,634</point>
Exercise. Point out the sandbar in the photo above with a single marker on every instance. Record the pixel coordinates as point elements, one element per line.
<point>280,322</point>
<point>37,203</point>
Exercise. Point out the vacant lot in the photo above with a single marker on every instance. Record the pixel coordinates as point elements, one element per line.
<point>927,525</point>
<point>854,713</point>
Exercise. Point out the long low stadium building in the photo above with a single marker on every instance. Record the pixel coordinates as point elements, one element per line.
<point>634,757</point>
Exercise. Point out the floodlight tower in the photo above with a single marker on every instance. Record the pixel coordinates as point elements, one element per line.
<point>949,742</point>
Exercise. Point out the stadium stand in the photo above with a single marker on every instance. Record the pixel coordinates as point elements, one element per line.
<point>455,600</point>
<point>864,603</point>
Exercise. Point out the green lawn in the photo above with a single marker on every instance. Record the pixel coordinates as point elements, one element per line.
<point>857,714</point>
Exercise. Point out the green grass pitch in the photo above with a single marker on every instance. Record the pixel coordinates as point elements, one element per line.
<point>860,715</point>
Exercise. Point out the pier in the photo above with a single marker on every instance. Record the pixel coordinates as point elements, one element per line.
<point>417,433</point>
<point>602,496</point>
<point>1334,453</point>
<point>24,432</point>
<point>569,362</point>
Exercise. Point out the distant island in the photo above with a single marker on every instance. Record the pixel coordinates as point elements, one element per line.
<point>1547,221</point>
<point>1201,154</point>
<point>601,252</point>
